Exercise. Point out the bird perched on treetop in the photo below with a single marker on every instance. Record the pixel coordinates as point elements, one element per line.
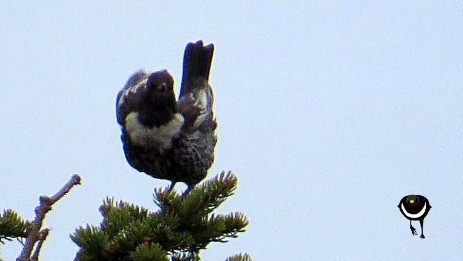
<point>415,207</point>
<point>164,137</point>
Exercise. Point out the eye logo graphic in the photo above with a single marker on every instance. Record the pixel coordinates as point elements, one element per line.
<point>415,207</point>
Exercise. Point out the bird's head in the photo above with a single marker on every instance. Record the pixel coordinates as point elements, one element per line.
<point>160,90</point>
<point>160,82</point>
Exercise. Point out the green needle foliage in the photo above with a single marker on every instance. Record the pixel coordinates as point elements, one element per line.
<point>181,227</point>
<point>240,257</point>
<point>12,226</point>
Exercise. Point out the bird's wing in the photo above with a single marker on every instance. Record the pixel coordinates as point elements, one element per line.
<point>197,108</point>
<point>127,98</point>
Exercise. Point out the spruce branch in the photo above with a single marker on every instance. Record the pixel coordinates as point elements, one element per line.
<point>183,225</point>
<point>201,200</point>
<point>185,257</point>
<point>149,252</point>
<point>12,226</point>
<point>240,257</point>
<point>35,234</point>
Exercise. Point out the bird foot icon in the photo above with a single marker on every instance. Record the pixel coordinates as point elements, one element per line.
<point>413,230</point>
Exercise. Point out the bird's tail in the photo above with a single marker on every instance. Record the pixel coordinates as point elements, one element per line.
<point>196,64</point>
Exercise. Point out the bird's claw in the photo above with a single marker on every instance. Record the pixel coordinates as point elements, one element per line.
<point>422,236</point>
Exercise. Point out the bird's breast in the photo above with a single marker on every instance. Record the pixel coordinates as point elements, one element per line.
<point>154,137</point>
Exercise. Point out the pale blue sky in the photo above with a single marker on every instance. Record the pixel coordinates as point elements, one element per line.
<point>329,113</point>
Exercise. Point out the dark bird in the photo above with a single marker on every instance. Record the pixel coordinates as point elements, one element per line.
<point>164,137</point>
<point>415,207</point>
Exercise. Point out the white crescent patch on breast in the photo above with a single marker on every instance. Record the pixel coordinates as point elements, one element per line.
<point>417,215</point>
<point>154,137</point>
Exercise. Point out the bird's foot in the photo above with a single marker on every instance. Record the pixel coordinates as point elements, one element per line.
<point>413,230</point>
<point>171,187</point>
<point>422,236</point>
<point>185,193</point>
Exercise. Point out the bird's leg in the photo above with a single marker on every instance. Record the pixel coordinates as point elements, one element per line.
<point>171,187</point>
<point>413,229</point>
<point>421,223</point>
<point>188,190</point>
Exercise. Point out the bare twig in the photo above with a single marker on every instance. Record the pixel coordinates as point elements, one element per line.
<point>35,233</point>
<point>42,237</point>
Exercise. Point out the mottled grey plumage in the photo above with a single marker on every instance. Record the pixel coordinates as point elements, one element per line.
<point>165,138</point>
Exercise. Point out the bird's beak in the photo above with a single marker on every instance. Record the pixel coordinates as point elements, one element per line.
<point>412,201</point>
<point>163,86</point>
